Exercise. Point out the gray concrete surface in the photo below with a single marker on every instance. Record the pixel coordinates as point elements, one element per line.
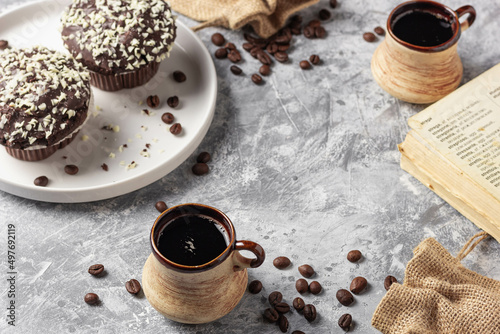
<point>306,165</point>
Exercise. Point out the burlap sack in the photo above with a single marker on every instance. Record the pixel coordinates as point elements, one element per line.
<point>265,16</point>
<point>439,295</point>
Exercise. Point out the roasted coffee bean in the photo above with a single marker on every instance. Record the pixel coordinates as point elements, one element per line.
<point>91,298</point>
<point>200,168</point>
<point>153,101</point>
<point>234,56</point>
<point>314,59</point>
<point>379,31</point>
<point>314,23</point>
<point>283,47</point>
<point>96,269</point>
<point>305,65</point>
<point>255,287</point>
<point>354,256</point>
<point>281,262</point>
<point>264,58</point>
<point>41,181</point>
<point>296,30</point>
<point>271,315</point>
<point>220,53</point>
<point>167,118</point>
<point>315,287</point>
<point>203,157</point>
<point>301,285</point>
<point>281,56</point>
<point>298,304</point>
<point>230,46</point>
<point>161,206</point>
<point>319,32</point>
<point>179,76</point>
<point>324,14</point>
<point>218,39</point>
<point>298,332</point>
<point>333,3</point>
<point>173,101</point>
<point>306,270</point>
<point>344,297</point>
<point>254,52</point>
<point>3,44</point>
<point>388,281</point>
<point>133,286</point>
<point>71,169</point>
<point>265,70</point>
<point>309,32</point>
<point>345,322</point>
<point>369,37</point>
<point>236,70</point>
<point>283,324</point>
<point>310,312</point>
<point>176,128</point>
<point>247,46</point>
<point>257,79</point>
<point>358,284</point>
<point>283,39</point>
<point>275,297</point>
<point>272,48</point>
<point>282,307</point>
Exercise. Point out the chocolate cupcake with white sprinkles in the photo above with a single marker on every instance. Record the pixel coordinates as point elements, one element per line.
<point>44,101</point>
<point>121,42</point>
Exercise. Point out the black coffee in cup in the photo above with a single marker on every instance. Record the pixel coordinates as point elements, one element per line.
<point>423,28</point>
<point>192,240</point>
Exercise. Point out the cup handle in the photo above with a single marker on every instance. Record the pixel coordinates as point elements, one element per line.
<point>470,18</point>
<point>242,262</point>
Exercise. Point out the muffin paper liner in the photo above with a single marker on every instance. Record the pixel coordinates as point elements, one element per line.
<point>126,80</point>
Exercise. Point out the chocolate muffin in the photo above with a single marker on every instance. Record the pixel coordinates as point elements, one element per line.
<point>121,42</point>
<point>44,101</point>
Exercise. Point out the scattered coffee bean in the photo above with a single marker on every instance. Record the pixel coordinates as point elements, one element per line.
<point>309,32</point>
<point>298,332</point>
<point>283,324</point>
<point>345,322</point>
<point>369,37</point>
<point>173,101</point>
<point>255,51</point>
<point>324,14</point>
<point>133,286</point>
<point>333,3</point>
<point>306,270</point>
<point>230,46</point>
<point>91,298</point>
<point>272,48</point>
<point>234,56</point>
<point>301,286</point>
<point>315,287</point>
<point>283,47</point>
<point>167,118</point>
<point>314,23</point>
<point>256,79</point>
<point>314,59</point>
<point>271,315</point>
<point>220,53</point>
<point>153,101</point>
<point>281,262</point>
<point>236,70</point>
<point>282,307</point>
<point>358,284</point>
<point>265,70</point>
<point>176,128</point>
<point>388,281</point>
<point>275,297</point>
<point>104,167</point>
<point>179,76</point>
<point>96,269</point>
<point>203,157</point>
<point>3,44</point>
<point>247,46</point>
<point>298,304</point>
<point>305,65</point>
<point>71,169</point>
<point>344,297</point>
<point>310,312</point>
<point>264,58</point>
<point>200,168</point>
<point>41,181</point>
<point>161,206</point>
<point>319,32</point>
<point>218,39</point>
<point>281,56</point>
<point>255,287</point>
<point>379,31</point>
<point>354,256</point>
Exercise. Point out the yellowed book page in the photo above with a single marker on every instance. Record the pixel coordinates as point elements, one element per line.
<point>464,127</point>
<point>462,207</point>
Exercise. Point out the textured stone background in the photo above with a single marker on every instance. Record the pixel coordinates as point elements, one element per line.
<point>306,165</point>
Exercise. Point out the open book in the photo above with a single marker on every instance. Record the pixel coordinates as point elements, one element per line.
<point>453,148</point>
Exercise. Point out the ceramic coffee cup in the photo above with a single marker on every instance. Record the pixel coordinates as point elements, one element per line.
<point>195,294</point>
<point>418,71</point>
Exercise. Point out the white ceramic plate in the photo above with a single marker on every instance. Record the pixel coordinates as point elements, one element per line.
<point>38,23</point>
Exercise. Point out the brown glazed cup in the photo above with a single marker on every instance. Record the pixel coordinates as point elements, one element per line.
<point>204,293</point>
<point>421,74</point>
